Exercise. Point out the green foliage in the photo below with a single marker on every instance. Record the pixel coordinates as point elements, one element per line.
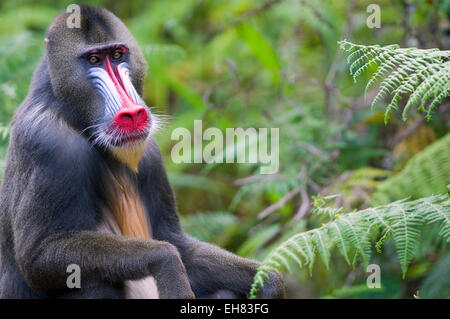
<point>18,57</point>
<point>426,173</point>
<point>233,64</point>
<point>357,187</point>
<point>4,132</point>
<point>424,75</point>
<point>207,226</point>
<point>353,291</point>
<point>253,243</point>
<point>437,283</point>
<point>261,49</point>
<point>354,233</point>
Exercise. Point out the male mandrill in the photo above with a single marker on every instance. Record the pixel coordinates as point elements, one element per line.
<point>84,183</point>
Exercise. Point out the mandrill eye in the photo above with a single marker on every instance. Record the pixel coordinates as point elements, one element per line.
<point>117,55</point>
<point>94,59</point>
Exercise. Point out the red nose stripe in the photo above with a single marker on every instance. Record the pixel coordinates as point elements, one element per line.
<point>124,97</point>
<point>131,117</point>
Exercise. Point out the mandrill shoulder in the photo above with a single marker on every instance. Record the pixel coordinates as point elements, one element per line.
<point>41,139</point>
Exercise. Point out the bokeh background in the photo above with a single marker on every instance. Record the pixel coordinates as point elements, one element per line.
<point>272,63</point>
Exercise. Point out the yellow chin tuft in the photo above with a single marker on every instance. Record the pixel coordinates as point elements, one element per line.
<point>130,154</point>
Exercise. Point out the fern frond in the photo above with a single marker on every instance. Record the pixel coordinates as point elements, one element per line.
<point>424,75</point>
<point>297,247</point>
<point>322,243</point>
<point>355,231</point>
<point>438,215</point>
<point>430,169</point>
<point>432,87</point>
<point>406,230</point>
<point>351,232</point>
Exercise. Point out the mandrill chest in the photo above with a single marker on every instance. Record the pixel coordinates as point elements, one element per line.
<point>124,214</point>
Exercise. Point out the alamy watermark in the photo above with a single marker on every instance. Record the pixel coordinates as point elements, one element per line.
<point>374,279</point>
<point>74,279</point>
<point>374,19</point>
<point>74,19</point>
<point>239,145</point>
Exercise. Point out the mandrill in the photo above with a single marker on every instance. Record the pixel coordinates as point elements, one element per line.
<point>85,185</point>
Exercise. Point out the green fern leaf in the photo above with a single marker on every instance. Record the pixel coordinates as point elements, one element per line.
<point>355,230</point>
<point>437,214</point>
<point>406,232</point>
<point>424,75</point>
<point>403,220</point>
<point>336,231</point>
<point>321,241</point>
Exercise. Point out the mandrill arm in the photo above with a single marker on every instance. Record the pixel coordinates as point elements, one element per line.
<point>212,271</point>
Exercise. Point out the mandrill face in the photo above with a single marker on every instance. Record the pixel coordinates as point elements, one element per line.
<point>100,67</point>
<point>126,119</point>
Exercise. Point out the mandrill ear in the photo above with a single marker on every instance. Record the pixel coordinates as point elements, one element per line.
<point>46,42</point>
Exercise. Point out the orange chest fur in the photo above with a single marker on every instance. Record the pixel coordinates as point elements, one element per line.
<point>124,213</point>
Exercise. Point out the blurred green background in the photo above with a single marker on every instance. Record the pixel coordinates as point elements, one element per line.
<point>253,63</point>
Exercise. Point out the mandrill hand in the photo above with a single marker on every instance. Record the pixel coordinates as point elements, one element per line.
<point>273,288</point>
